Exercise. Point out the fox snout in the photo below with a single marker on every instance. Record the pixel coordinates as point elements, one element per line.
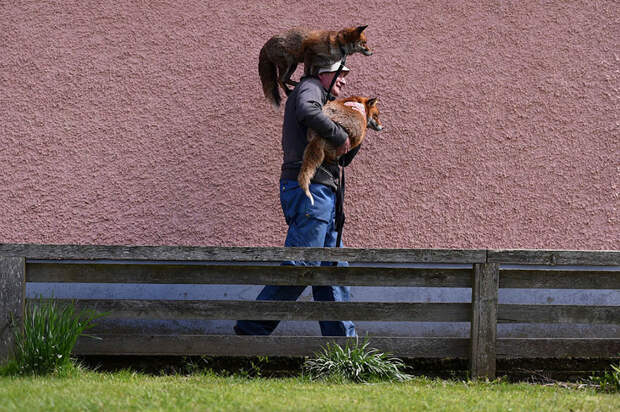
<point>374,125</point>
<point>367,52</point>
<point>373,114</point>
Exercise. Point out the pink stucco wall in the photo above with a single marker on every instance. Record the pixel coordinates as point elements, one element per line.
<point>143,123</point>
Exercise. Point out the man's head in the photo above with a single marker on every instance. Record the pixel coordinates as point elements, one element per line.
<point>326,75</point>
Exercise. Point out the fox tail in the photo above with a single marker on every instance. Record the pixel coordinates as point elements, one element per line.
<point>304,182</point>
<point>307,191</point>
<point>268,77</point>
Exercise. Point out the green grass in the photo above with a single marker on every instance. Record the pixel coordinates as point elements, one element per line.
<point>125,391</point>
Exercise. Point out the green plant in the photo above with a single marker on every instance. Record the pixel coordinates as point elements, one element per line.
<point>48,336</point>
<point>357,363</point>
<point>610,380</point>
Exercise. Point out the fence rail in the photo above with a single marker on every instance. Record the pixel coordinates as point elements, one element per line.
<point>241,254</point>
<point>227,345</point>
<point>247,275</point>
<point>484,271</point>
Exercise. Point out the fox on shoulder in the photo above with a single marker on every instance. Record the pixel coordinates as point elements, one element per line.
<point>354,122</point>
<point>280,55</point>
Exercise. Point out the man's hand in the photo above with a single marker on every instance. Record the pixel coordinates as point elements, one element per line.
<point>345,147</point>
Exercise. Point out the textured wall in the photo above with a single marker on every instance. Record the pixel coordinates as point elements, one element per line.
<point>143,123</point>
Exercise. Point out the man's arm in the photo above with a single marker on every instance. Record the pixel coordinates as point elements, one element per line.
<point>310,113</point>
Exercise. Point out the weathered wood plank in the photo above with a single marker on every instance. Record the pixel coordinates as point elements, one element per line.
<point>484,320</point>
<point>275,310</point>
<point>555,257</point>
<point>12,297</point>
<point>246,274</point>
<point>241,254</point>
<point>512,348</point>
<point>230,345</point>
<point>605,315</point>
<point>559,279</point>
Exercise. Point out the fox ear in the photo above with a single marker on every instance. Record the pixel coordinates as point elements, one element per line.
<point>360,29</point>
<point>372,102</point>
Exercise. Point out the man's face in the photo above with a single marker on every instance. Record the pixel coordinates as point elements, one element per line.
<point>326,80</point>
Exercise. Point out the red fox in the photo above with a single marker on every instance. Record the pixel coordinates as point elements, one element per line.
<point>353,121</point>
<point>279,57</point>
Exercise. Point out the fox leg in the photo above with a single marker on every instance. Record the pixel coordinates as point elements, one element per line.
<point>308,63</point>
<point>286,78</point>
<point>313,157</point>
<point>291,69</point>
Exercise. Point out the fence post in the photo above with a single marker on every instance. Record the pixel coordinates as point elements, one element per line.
<point>484,319</point>
<point>12,298</point>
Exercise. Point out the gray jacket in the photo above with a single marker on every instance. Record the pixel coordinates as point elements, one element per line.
<point>304,110</point>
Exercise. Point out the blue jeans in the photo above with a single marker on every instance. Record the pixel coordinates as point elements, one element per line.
<point>308,226</point>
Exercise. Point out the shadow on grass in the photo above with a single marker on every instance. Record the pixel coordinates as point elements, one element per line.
<point>518,370</point>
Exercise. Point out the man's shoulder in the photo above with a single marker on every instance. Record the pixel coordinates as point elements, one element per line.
<point>310,82</point>
<point>308,90</point>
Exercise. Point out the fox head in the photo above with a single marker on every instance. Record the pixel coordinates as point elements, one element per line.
<point>372,114</point>
<point>355,40</point>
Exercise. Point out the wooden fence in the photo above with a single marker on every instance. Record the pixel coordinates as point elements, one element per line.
<point>485,273</point>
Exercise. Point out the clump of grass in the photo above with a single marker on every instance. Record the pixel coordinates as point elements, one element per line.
<point>48,337</point>
<point>355,363</point>
<point>610,380</point>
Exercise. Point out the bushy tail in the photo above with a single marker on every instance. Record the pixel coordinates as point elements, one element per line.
<point>269,77</point>
<point>305,174</point>
<point>313,157</point>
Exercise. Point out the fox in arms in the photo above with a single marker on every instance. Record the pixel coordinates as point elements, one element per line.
<point>354,122</point>
<point>279,57</point>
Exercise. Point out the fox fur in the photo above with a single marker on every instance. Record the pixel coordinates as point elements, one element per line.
<point>280,55</point>
<point>354,122</point>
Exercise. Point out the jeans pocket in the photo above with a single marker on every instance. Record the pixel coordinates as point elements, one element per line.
<point>324,203</point>
<point>296,205</point>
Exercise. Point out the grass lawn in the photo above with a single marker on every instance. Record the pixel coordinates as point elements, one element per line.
<point>124,391</point>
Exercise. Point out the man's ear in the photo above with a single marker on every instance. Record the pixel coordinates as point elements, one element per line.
<point>372,102</point>
<point>360,29</point>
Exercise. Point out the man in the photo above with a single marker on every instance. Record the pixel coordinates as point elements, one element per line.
<point>309,225</point>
